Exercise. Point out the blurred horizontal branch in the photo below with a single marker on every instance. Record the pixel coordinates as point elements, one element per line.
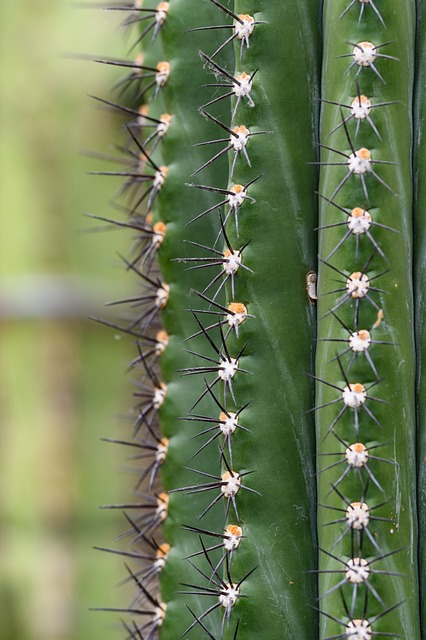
<point>55,296</point>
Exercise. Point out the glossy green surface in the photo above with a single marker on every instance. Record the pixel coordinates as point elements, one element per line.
<point>395,362</point>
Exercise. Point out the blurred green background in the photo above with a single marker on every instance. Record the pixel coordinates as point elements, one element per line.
<point>62,380</point>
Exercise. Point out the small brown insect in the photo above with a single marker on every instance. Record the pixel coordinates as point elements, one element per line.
<point>380,316</point>
<point>311,287</point>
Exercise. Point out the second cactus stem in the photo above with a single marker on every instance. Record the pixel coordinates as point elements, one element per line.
<point>365,357</point>
<point>283,418</point>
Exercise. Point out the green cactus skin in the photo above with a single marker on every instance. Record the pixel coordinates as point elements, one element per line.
<point>287,445</point>
<point>394,363</point>
<point>281,515</point>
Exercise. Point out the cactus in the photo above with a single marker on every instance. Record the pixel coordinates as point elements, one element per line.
<point>255,164</point>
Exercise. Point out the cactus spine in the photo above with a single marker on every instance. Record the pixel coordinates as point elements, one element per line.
<point>251,334</point>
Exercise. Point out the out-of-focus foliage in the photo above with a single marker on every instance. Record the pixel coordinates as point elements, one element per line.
<point>58,370</point>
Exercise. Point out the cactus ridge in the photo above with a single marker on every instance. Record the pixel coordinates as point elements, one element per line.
<point>370,602</point>
<point>145,174</point>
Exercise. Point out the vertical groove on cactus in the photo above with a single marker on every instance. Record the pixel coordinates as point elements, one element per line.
<point>419,284</point>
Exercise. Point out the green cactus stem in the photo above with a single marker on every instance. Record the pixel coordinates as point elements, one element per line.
<point>365,357</point>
